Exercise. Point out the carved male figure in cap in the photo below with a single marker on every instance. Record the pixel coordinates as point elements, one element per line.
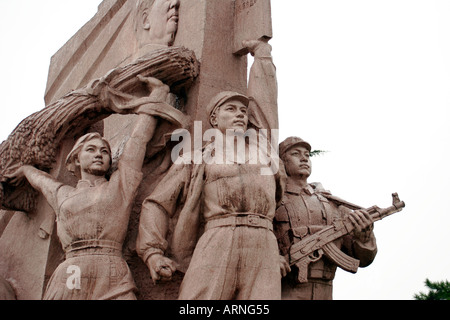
<point>236,255</point>
<point>307,208</point>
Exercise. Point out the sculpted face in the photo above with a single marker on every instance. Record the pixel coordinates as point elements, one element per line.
<point>297,162</point>
<point>160,20</point>
<point>94,157</point>
<point>231,115</point>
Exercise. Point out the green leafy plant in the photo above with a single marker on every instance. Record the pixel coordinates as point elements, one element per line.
<point>315,153</point>
<point>438,291</point>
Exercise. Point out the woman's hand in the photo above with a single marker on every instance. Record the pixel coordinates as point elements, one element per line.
<point>16,178</point>
<point>158,90</point>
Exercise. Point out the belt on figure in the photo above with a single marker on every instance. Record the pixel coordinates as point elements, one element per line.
<point>94,247</point>
<point>240,219</point>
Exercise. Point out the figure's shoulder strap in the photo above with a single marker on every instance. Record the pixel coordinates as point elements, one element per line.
<point>338,201</point>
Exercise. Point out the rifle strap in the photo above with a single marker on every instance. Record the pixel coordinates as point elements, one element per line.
<point>340,202</point>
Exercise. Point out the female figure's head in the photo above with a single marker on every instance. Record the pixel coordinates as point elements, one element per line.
<point>91,155</point>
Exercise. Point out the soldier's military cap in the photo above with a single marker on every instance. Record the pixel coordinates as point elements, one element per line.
<point>293,141</point>
<point>223,97</point>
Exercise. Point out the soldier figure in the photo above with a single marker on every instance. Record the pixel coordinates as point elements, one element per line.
<point>306,209</point>
<point>236,257</point>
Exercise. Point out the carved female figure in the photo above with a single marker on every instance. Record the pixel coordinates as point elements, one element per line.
<point>92,218</point>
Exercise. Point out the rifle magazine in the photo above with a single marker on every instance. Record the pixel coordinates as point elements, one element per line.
<point>342,260</point>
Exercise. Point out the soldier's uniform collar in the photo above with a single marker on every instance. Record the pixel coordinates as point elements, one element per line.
<point>295,189</point>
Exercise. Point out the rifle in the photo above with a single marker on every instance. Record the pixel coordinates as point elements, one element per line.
<point>313,247</point>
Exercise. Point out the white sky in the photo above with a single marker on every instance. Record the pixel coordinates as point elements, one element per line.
<point>368,81</point>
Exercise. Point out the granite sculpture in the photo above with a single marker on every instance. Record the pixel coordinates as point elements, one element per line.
<point>153,172</point>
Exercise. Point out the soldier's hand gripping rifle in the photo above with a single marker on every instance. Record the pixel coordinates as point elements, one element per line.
<point>313,247</point>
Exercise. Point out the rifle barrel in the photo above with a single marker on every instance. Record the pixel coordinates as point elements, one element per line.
<point>378,214</point>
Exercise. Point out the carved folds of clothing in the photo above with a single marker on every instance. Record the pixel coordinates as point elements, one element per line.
<point>92,223</point>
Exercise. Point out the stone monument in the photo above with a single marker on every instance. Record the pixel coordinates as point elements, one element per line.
<point>101,200</point>
<point>189,45</point>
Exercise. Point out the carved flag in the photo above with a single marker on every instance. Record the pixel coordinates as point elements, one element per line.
<point>252,21</point>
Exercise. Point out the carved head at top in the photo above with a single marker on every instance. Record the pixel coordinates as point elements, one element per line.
<point>295,153</point>
<point>157,21</point>
<point>91,155</point>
